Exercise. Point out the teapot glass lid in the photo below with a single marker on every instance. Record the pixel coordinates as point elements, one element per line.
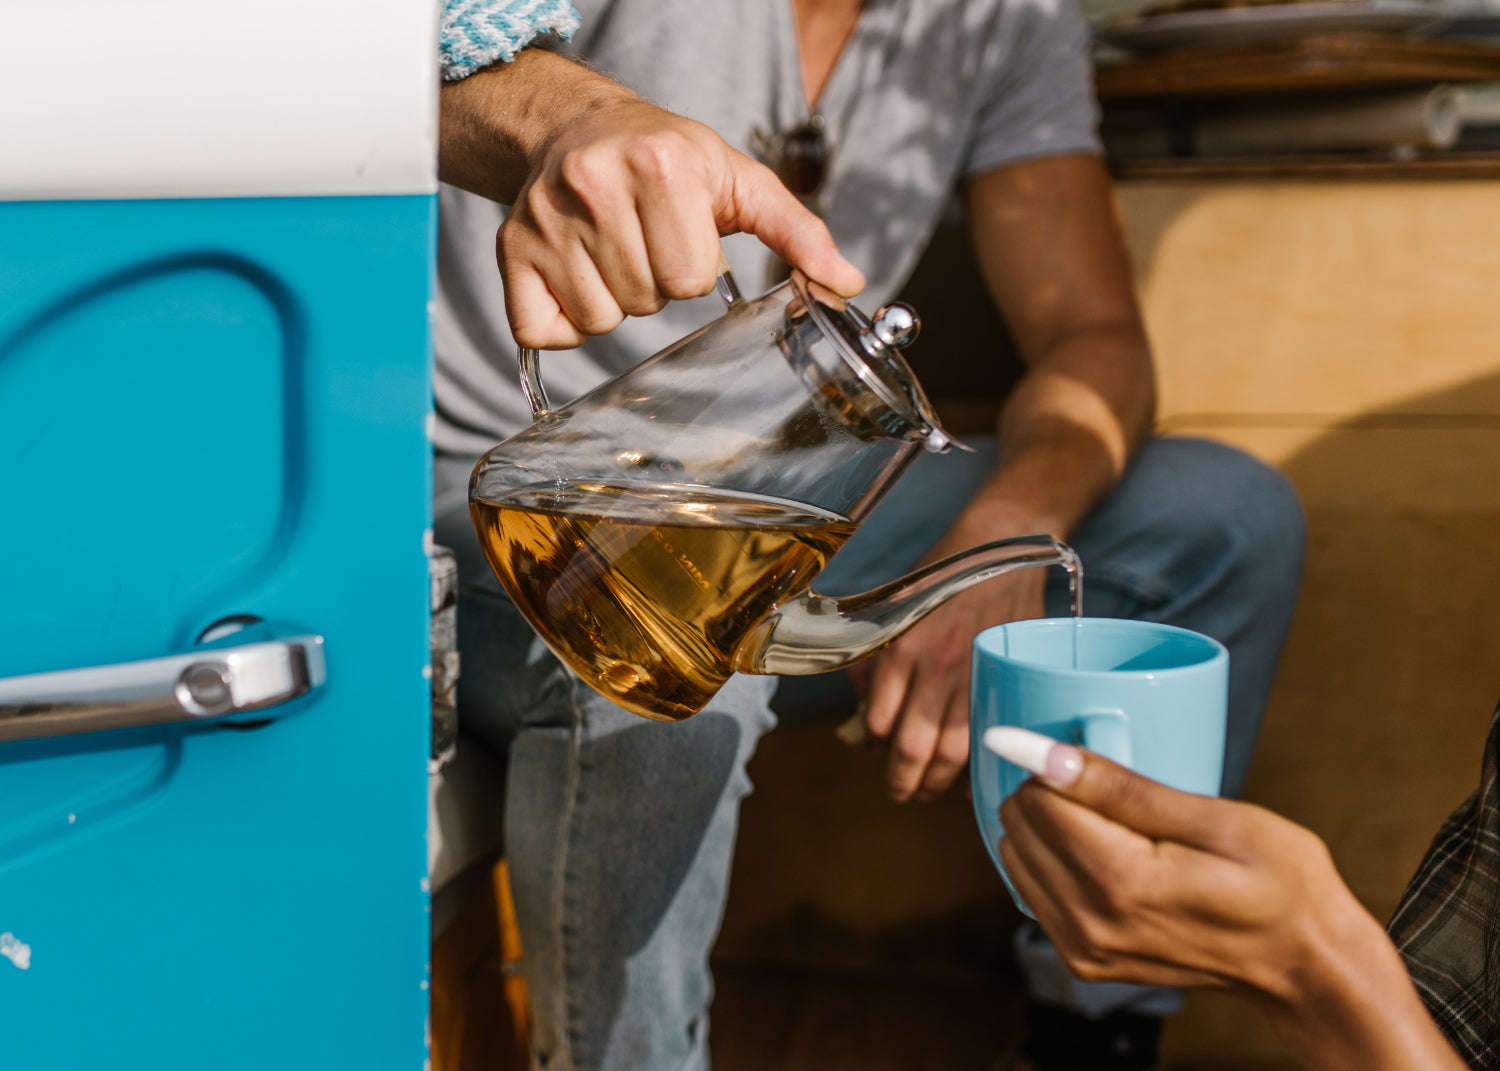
<point>872,350</point>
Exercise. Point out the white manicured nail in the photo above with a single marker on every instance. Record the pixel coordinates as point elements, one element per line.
<point>1036,753</point>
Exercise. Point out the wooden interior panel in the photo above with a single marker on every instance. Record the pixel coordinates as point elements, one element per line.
<point>1333,298</point>
<point>829,870</point>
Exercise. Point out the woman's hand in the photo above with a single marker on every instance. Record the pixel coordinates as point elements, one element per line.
<point>1136,882</point>
<point>617,205</point>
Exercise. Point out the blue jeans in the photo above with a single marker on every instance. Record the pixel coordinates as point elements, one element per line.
<point>620,831</point>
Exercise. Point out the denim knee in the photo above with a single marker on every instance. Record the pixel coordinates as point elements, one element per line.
<point>1199,507</point>
<point>1241,505</point>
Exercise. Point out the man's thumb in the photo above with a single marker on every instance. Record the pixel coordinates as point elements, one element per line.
<point>1139,803</point>
<point>762,206</point>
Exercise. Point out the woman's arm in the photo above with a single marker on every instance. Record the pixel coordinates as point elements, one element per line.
<point>1136,882</point>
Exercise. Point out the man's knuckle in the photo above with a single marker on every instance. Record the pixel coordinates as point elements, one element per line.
<point>586,173</point>
<point>632,289</point>
<point>658,157</point>
<point>909,751</point>
<point>510,241</point>
<point>596,321</point>
<point>533,208</point>
<point>681,287</point>
<point>530,334</point>
<point>949,655</point>
<point>953,748</point>
<point>647,303</point>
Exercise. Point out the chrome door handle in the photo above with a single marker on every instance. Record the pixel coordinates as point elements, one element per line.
<point>207,682</point>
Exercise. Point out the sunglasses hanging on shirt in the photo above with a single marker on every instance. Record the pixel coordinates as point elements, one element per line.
<point>799,158</point>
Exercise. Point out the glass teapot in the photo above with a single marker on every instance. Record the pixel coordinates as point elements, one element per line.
<point>661,532</point>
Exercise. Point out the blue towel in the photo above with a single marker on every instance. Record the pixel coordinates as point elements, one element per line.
<point>477,33</point>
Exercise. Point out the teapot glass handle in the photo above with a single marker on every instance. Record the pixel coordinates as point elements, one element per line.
<point>530,361</point>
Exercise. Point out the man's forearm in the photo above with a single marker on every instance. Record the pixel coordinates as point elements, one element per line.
<point>1069,429</point>
<point>1048,242</point>
<point>494,126</point>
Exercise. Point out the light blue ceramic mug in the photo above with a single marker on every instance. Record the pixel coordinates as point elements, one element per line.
<point>1151,697</point>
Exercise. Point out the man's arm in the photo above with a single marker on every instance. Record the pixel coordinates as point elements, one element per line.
<point>1049,244</point>
<point>1051,252</point>
<point>618,205</point>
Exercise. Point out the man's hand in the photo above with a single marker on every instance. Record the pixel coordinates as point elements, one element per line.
<point>916,691</point>
<point>1136,882</point>
<point>618,206</point>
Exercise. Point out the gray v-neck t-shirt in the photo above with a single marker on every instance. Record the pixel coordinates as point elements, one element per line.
<point>925,93</point>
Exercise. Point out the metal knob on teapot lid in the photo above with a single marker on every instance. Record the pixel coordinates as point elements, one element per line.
<point>872,385</point>
<point>896,324</point>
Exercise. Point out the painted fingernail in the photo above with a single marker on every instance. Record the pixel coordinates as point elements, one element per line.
<point>1056,763</point>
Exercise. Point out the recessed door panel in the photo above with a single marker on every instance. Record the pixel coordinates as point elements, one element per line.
<point>147,449</point>
<point>215,410</point>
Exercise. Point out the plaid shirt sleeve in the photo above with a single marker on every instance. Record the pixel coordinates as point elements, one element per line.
<point>1449,921</point>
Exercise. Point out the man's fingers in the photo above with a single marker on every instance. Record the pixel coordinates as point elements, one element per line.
<point>1138,803</point>
<point>623,262</point>
<point>911,753</point>
<point>951,752</point>
<point>682,242</point>
<point>930,743</point>
<point>885,692</point>
<point>759,204</point>
<point>536,317</point>
<point>583,295</point>
<point>896,709</point>
<point>626,212</point>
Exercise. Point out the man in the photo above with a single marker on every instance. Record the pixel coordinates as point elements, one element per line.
<point>620,831</point>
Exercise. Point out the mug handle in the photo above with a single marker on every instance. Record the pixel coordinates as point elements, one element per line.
<point>1107,733</point>
<point>530,361</point>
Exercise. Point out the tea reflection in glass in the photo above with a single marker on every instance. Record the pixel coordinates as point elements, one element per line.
<point>644,589</point>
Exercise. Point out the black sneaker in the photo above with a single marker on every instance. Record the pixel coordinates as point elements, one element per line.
<point>1059,1040</point>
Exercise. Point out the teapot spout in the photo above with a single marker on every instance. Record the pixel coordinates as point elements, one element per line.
<point>814,633</point>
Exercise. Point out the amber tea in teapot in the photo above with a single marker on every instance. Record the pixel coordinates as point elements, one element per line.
<point>646,589</point>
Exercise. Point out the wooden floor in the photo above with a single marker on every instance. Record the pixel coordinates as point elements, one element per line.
<point>958,1011</point>
<point>791,1018</point>
<point>806,1019</point>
